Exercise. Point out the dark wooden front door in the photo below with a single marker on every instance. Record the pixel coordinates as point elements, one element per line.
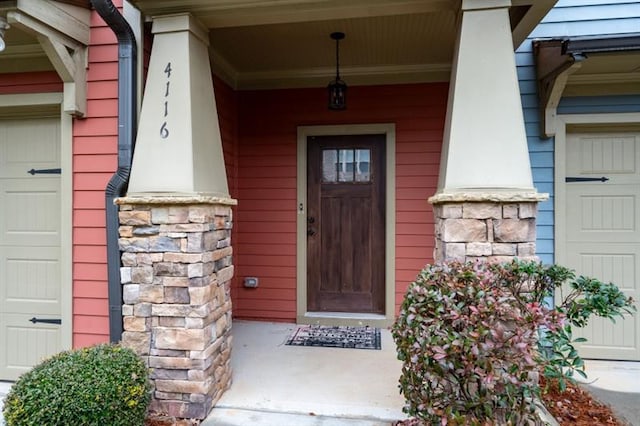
<point>346,223</point>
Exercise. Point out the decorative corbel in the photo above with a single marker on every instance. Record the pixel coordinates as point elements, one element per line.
<point>64,38</point>
<point>71,66</point>
<point>553,68</point>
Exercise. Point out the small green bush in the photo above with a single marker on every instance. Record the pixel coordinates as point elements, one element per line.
<point>99,385</point>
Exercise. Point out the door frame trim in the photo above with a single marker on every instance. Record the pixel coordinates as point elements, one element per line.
<point>66,197</point>
<point>302,314</point>
<point>560,150</point>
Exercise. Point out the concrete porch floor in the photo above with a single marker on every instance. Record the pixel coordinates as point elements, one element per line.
<point>275,384</point>
<point>278,385</point>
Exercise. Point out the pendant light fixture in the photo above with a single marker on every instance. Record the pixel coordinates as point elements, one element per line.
<point>337,88</point>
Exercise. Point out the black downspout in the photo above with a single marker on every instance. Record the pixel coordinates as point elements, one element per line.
<point>127,124</point>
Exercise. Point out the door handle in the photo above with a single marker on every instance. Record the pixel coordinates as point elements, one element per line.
<point>586,179</point>
<point>45,172</point>
<point>46,320</point>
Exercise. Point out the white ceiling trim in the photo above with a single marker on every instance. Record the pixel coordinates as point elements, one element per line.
<point>319,77</point>
<point>23,51</point>
<point>265,16</point>
<point>223,69</point>
<point>233,13</point>
<point>616,77</point>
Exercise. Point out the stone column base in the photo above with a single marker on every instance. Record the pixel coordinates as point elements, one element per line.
<point>176,273</point>
<point>487,227</point>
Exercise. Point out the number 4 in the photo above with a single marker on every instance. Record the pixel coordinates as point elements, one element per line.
<point>167,69</point>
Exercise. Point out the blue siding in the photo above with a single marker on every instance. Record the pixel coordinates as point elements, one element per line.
<point>599,104</point>
<point>568,18</point>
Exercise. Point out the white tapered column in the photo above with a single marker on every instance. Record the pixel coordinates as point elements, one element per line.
<point>486,206</point>
<point>485,147</point>
<point>179,148</point>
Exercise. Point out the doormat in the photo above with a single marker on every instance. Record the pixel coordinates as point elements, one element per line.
<point>336,337</point>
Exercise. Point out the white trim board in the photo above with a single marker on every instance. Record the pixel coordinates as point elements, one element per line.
<point>302,315</point>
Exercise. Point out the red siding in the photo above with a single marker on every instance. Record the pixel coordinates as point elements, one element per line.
<point>227,105</point>
<point>31,82</point>
<point>265,223</point>
<point>94,161</point>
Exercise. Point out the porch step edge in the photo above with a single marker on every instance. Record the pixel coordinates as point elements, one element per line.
<point>240,417</point>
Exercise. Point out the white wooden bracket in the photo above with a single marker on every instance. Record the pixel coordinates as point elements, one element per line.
<point>64,37</point>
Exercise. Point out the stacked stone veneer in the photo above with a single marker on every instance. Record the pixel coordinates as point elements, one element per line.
<point>491,231</point>
<point>176,276</point>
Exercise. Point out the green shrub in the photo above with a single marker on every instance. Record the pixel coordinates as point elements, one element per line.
<point>99,385</point>
<point>577,300</point>
<point>470,335</point>
<point>467,346</point>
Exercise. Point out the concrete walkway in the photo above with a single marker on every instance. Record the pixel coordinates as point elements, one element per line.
<point>279,385</point>
<point>282,385</point>
<point>617,384</point>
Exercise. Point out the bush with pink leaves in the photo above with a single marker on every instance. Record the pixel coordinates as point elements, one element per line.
<point>473,336</point>
<point>468,346</point>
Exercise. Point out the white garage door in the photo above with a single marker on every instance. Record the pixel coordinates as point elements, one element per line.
<point>29,243</point>
<point>603,230</point>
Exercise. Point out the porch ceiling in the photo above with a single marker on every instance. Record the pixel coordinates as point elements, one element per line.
<point>257,44</point>
<point>381,49</point>
<point>23,52</point>
<point>615,73</point>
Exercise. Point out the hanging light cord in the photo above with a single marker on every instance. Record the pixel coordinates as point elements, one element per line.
<point>337,59</point>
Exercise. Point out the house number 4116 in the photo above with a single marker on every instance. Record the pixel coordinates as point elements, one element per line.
<point>164,130</point>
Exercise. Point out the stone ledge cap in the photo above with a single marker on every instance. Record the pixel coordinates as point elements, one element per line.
<point>496,197</point>
<point>180,199</point>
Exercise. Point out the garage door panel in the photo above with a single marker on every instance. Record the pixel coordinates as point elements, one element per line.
<point>603,211</point>
<point>30,244</point>
<point>609,154</point>
<point>602,235</point>
<point>26,344</point>
<point>31,277</point>
<point>615,340</point>
<point>618,264</point>
<point>27,144</point>
<point>613,262</point>
<point>31,212</point>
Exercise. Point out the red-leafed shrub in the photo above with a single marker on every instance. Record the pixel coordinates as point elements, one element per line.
<point>467,346</point>
<point>472,337</point>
